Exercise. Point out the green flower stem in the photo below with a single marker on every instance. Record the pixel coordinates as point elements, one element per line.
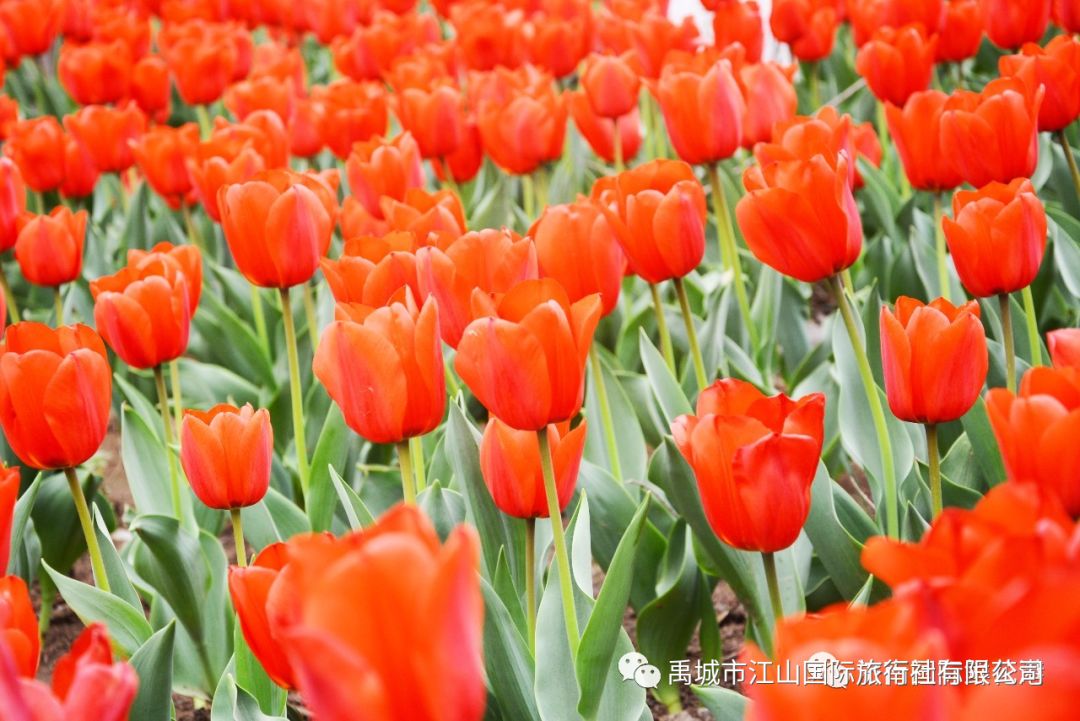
<point>12,304</point>
<point>892,511</point>
<point>530,580</point>
<point>416,449</point>
<point>178,402</point>
<point>934,459</point>
<point>1032,321</point>
<point>260,319</point>
<point>661,326</point>
<point>691,334</point>
<point>528,199</point>
<point>729,251</point>
<point>1007,341</point>
<point>238,535</point>
<point>815,86</point>
<point>562,558</point>
<point>610,439</point>
<point>96,561</point>
<point>309,314</point>
<point>206,126</point>
<point>1071,159</point>
<point>170,440</point>
<point>405,461</point>
<point>769,561</point>
<point>939,247</point>
<point>296,392</point>
<point>58,305</point>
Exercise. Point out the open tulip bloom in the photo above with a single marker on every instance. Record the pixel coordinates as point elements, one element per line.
<point>507,360</point>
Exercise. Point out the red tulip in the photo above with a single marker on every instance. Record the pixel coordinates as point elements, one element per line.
<point>329,19</point>
<point>18,626</point>
<point>657,211</point>
<point>357,280</point>
<point>226,454</point>
<point>524,130</point>
<point>1067,15</point>
<point>381,167</point>
<point>305,123</point>
<point>703,112</point>
<point>610,83</point>
<point>162,154</point>
<point>219,163</point>
<point>12,202</point>
<point>754,458</point>
<point>488,35</point>
<point>92,646</point>
<point>9,114</point>
<point>249,588</point>
<point>108,133</point>
<point>961,31</point>
<point>1055,68</point>
<point>50,247</point>
<point>420,213</point>
<point>869,16</point>
<point>1011,23</point>
<point>37,147</point>
<point>1064,345</point>
<point>203,59</point>
<point>435,117</point>
<point>557,42</point>
<point>150,87</point>
<point>265,93</point>
<point>897,63</point>
<point>915,131</point>
<point>385,371</point>
<point>599,132</point>
<point>934,358</point>
<point>278,226</point>
<point>808,26</point>
<point>371,49</point>
<point>9,494</point>
<point>997,238</point>
<point>80,172</point>
<point>511,467</point>
<point>31,25</point>
<point>770,98</point>
<point>167,259</point>
<point>649,34</point>
<point>827,133</point>
<point>464,163</point>
<point>526,362</point>
<point>739,22</point>
<point>96,73</point>
<point>352,112</point>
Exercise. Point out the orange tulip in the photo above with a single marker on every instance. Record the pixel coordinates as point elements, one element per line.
<point>9,114</point>
<point>384,168</point>
<point>997,238</point>
<point>510,465</point>
<point>557,41</point>
<point>352,112</point>
<point>599,132</point>
<point>373,281</point>
<point>278,225</point>
<point>808,26</point>
<point>897,63</point>
<point>37,147</point>
<point>488,35</point>
<point>80,172</point>
<point>202,59</point>
<point>739,22</point>
<point>915,131</point>
<point>576,246</point>
<point>827,133</point>
<point>934,359</point>
<point>487,262</point>
<point>265,93</point>
<point>353,649</point>
<point>150,87</point>
<point>226,454</point>
<point>526,361</point>
<point>869,16</point>
<point>434,117</point>
<point>305,136</point>
<point>220,162</point>
<point>649,34</point>
<point>610,83</point>
<point>703,111</point>
<point>108,133</point>
<point>1057,69</point>
<point>31,25</point>
<point>330,19</point>
<point>370,50</point>
<point>249,588</point>
<point>96,73</point>
<point>770,98</point>
<point>754,458</point>
<point>55,393</point>
<point>50,247</point>
<point>1064,345</point>
<point>421,214</point>
<point>799,217</point>
<point>161,154</point>
<point>167,259</point>
<point>525,130</point>
<point>9,494</point>
<point>464,163</point>
<point>961,31</point>
<point>18,627</point>
<point>1037,430</point>
<point>1011,23</point>
<point>142,312</point>
<point>385,372</point>
<point>658,212</point>
<point>12,203</point>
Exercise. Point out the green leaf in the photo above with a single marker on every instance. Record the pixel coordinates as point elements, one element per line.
<point>232,703</point>
<point>355,511</point>
<point>445,508</point>
<point>153,662</point>
<point>629,439</point>
<point>171,561</point>
<point>145,464</point>
<point>724,704</point>
<point>128,628</point>
<point>21,516</point>
<point>669,394</point>
<point>115,568</point>
<point>596,653</point>
<point>981,435</point>
<point>838,551</point>
<point>331,450</point>
<point>506,657</point>
<point>251,676</point>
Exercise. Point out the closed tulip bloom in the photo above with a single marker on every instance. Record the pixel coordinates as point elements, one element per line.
<point>386,372</point>
<point>55,393</point>
<point>993,135</point>
<point>226,453</point>
<point>997,237</point>
<point>1067,14</point>
<point>265,93</point>
<point>1011,23</point>
<point>278,225</point>
<point>305,135</point>
<point>488,35</point>
<point>420,213</point>
<point>435,118</point>
<point>739,22</point>
<point>599,132</point>
<point>370,50</point>
<point>828,133</point>
<point>50,247</point>
<point>703,113</point>
<point>526,364</point>
<point>355,279</point>
<point>201,60</point>
<point>143,315</point>
<point>162,154</point>
<point>18,627</point>
<point>96,73</point>
<point>215,167</point>
<point>1056,68</point>
<point>249,588</point>
<point>108,133</point>
<point>558,42</point>
<point>150,88</point>
<point>799,217</point>
<point>80,172</point>
<point>915,131</point>
<point>961,31</point>
<point>9,494</point>
<point>31,25</point>
<point>464,163</point>
<point>657,211</point>
<point>381,167</point>
<point>754,458</point>
<point>487,261</point>
<point>770,98</point>
<point>934,359</point>
<point>37,147</point>
<point>611,84</point>
<point>525,131</point>
<point>808,26</point>
<point>168,259</point>
<point>897,63</point>
<point>576,246</point>
<point>1064,346</point>
<point>9,114</point>
<point>1037,432</point>
<point>510,465</point>
<point>351,112</point>
<point>12,202</point>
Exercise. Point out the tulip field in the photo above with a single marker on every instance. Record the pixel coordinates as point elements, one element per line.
<point>539,360</point>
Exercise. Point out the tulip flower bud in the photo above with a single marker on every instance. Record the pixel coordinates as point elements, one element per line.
<point>897,63</point>
<point>510,464</point>
<point>18,625</point>
<point>1055,68</point>
<point>50,247</point>
<point>1064,345</point>
<point>226,453</point>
